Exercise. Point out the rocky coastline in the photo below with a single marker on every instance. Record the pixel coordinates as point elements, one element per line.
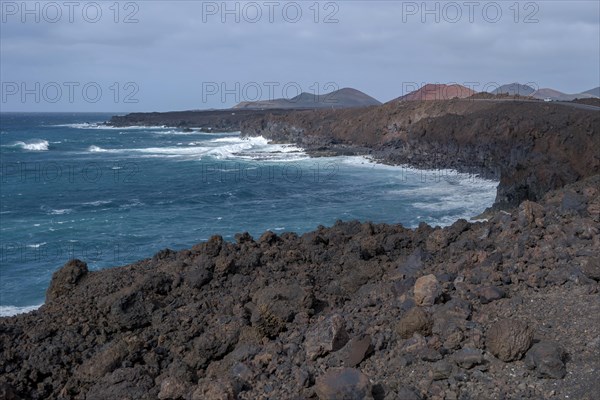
<point>500,309</point>
<point>531,147</point>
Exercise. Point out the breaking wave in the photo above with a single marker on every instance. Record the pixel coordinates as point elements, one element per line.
<point>32,145</point>
<point>255,148</point>
<point>9,311</point>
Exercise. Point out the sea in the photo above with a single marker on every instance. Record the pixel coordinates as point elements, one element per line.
<point>72,187</point>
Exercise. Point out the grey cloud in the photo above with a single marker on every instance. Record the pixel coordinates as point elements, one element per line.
<point>170,52</point>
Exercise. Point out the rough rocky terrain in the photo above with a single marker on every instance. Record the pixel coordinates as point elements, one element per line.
<point>504,309</point>
<point>508,308</point>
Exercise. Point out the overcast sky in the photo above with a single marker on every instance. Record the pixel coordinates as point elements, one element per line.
<point>172,55</point>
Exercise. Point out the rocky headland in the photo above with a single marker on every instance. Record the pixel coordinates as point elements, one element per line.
<point>506,308</point>
<point>531,147</point>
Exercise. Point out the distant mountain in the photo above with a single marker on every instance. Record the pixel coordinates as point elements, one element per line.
<point>593,92</point>
<point>514,89</point>
<point>433,91</point>
<point>555,95</point>
<point>343,98</point>
<point>552,94</point>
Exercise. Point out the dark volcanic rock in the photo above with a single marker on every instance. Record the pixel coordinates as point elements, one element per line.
<point>198,277</point>
<point>509,339</point>
<point>415,320</point>
<point>270,318</point>
<point>106,360</point>
<point>427,289</point>
<point>490,293</point>
<point>441,370</point>
<point>218,389</point>
<point>591,268</point>
<point>468,358</point>
<point>276,306</point>
<point>346,384</point>
<point>8,393</point>
<point>572,202</point>
<point>547,359</point>
<point>284,301</point>
<point>356,350</point>
<point>326,336</point>
<point>129,310</point>
<point>123,383</point>
<point>65,279</point>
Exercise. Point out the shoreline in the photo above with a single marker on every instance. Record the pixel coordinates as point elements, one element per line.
<point>369,162</point>
<point>519,143</point>
<point>482,310</point>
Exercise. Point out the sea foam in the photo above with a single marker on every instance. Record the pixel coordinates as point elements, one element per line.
<point>9,311</point>
<point>32,145</point>
<point>228,148</point>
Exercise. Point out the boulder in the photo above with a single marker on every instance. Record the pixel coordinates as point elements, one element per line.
<point>343,384</point>
<point>268,238</point>
<point>66,278</point>
<point>129,310</point>
<point>530,213</point>
<point>490,293</point>
<point>591,268</point>
<point>509,339</point>
<point>277,305</point>
<point>326,336</point>
<point>427,289</point>
<point>415,320</point>
<point>356,350</point>
<point>198,277</point>
<point>468,358</point>
<point>441,370</point>
<point>211,248</point>
<point>123,383</point>
<point>547,358</point>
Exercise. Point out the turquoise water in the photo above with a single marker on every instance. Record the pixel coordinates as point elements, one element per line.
<point>111,196</point>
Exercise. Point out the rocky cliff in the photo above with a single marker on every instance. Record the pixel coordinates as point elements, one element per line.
<point>217,120</point>
<point>530,147</point>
